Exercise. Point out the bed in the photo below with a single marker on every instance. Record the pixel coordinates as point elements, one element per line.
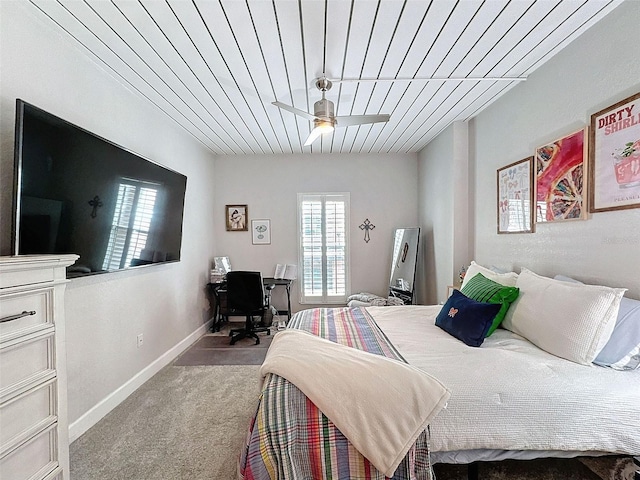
<point>509,399</point>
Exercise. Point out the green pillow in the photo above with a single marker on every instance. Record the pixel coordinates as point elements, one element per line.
<point>482,289</point>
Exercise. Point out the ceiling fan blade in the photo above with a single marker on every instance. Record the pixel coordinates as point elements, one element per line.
<point>297,111</point>
<point>313,136</point>
<point>349,120</point>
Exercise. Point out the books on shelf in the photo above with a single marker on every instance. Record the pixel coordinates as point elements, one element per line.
<point>285,271</point>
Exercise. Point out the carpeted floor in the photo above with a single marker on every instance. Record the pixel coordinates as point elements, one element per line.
<point>189,423</point>
<point>185,423</point>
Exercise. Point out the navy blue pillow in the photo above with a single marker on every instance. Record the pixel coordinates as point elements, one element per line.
<point>467,319</point>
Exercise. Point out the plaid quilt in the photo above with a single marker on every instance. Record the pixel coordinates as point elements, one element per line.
<point>289,438</point>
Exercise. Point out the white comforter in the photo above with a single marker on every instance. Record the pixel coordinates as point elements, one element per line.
<point>510,395</point>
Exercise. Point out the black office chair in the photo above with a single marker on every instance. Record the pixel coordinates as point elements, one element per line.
<point>246,296</point>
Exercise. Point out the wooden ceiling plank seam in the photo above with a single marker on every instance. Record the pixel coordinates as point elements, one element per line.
<point>204,23</point>
<point>568,38</point>
<point>395,75</point>
<point>126,81</point>
<point>380,32</point>
<point>269,75</point>
<point>459,42</point>
<point>498,24</point>
<point>484,103</point>
<point>402,63</point>
<point>451,106</point>
<point>373,91</point>
<point>153,35</point>
<point>424,115</point>
<point>197,77</point>
<point>259,104</point>
<point>344,62</point>
<point>167,95</point>
<point>286,68</point>
<point>182,42</point>
<point>421,124</point>
<point>364,60</point>
<point>308,107</point>
<point>268,78</point>
<point>417,124</point>
<point>292,48</point>
<point>255,87</point>
<point>146,63</point>
<point>453,45</point>
<point>505,42</point>
<point>522,39</point>
<point>396,124</point>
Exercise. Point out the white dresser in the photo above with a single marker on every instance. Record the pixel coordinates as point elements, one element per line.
<point>34,432</point>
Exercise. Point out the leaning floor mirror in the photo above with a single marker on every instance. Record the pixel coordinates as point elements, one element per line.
<point>403,264</point>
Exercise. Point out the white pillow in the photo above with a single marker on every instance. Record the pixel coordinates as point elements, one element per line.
<point>569,320</point>
<point>507,279</point>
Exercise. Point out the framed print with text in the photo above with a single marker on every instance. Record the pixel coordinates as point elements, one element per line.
<point>515,197</point>
<point>614,174</point>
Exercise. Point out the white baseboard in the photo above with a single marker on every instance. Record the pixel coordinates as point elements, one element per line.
<point>96,413</point>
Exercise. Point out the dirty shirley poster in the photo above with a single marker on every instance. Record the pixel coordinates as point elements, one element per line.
<point>615,156</point>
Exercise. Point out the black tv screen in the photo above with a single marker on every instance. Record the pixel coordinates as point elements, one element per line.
<point>76,192</point>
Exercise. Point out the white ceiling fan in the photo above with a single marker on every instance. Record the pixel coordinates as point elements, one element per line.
<point>324,119</point>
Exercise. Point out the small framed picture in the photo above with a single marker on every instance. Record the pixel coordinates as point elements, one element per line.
<point>561,172</point>
<point>261,232</point>
<point>614,175</point>
<point>236,216</point>
<point>515,197</point>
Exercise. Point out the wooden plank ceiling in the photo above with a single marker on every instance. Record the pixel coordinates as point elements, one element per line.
<point>215,66</point>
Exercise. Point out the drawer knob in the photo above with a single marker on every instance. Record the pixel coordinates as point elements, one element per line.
<point>17,316</point>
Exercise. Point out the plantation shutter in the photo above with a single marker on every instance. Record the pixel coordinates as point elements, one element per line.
<point>131,224</point>
<point>323,252</point>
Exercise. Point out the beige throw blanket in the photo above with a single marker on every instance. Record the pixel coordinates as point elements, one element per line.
<point>379,404</point>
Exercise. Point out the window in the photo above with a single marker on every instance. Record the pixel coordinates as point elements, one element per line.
<point>131,223</point>
<point>323,226</point>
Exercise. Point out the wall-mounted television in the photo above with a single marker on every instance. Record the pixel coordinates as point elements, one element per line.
<point>76,192</point>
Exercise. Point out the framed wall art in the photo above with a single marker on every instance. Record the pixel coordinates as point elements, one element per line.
<point>236,216</point>
<point>614,144</point>
<point>261,232</point>
<point>515,197</point>
<point>560,168</point>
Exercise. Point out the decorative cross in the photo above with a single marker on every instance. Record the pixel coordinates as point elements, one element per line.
<point>95,203</point>
<point>367,226</point>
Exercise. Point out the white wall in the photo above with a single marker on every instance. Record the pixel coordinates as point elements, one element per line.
<point>383,188</point>
<point>105,313</point>
<point>444,200</point>
<point>595,71</point>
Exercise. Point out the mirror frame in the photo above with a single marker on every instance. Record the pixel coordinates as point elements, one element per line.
<point>398,286</point>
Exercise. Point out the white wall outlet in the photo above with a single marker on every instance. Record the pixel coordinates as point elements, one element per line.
<point>140,340</point>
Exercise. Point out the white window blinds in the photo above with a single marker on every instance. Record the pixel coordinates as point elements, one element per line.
<point>131,223</point>
<point>323,221</point>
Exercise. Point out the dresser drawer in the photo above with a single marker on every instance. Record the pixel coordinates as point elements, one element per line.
<point>35,459</point>
<point>38,301</point>
<point>22,361</point>
<point>27,414</point>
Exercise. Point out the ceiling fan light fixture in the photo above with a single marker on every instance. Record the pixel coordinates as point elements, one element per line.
<point>320,128</point>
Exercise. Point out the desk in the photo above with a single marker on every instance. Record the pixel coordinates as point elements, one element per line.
<point>217,289</point>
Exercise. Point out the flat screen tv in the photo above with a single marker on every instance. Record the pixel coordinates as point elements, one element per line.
<point>76,192</point>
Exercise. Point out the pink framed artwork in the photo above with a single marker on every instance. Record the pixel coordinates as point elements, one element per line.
<point>561,167</point>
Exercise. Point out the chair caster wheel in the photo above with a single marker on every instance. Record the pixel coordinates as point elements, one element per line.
<point>258,341</point>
